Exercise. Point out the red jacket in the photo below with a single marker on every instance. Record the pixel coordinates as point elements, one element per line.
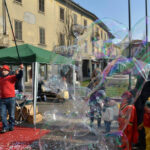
<point>128,121</point>
<point>7,86</point>
<point>131,130</point>
<point>128,124</point>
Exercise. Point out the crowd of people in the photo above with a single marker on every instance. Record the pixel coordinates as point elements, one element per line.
<point>133,116</point>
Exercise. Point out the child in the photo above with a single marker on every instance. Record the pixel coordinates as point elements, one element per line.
<point>95,107</point>
<point>146,123</point>
<point>128,121</point>
<point>107,115</point>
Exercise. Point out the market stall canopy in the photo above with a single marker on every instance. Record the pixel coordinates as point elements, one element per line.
<point>29,54</point>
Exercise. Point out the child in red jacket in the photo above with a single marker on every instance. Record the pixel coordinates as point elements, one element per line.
<point>128,115</point>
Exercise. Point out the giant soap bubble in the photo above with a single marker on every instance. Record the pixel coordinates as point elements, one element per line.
<point>82,123</point>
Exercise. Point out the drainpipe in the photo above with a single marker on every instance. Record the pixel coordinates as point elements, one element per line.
<point>4,17</point>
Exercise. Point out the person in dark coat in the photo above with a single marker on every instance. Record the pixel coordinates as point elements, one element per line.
<point>18,84</point>
<point>144,86</point>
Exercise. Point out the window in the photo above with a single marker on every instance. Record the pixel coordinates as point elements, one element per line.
<point>62,39</point>
<point>42,35</point>
<point>97,30</point>
<point>93,48</point>
<point>19,1</point>
<point>41,5</point>
<point>105,36</point>
<point>102,35</point>
<point>75,19</point>
<point>97,34</point>
<point>85,46</point>
<point>85,22</point>
<point>62,14</point>
<point>18,30</point>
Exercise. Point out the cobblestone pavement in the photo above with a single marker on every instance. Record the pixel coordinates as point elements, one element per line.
<point>72,135</point>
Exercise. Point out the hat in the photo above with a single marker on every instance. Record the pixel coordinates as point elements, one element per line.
<point>5,67</point>
<point>107,99</point>
<point>126,94</point>
<point>101,93</point>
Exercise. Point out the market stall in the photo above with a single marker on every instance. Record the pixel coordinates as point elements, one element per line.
<point>32,55</point>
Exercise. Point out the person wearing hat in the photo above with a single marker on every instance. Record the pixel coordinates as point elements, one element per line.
<point>107,114</point>
<point>95,104</point>
<point>128,121</point>
<point>146,123</point>
<point>7,97</point>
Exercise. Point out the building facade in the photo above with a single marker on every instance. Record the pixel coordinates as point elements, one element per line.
<point>53,25</point>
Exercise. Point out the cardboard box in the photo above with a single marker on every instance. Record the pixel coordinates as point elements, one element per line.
<point>63,94</point>
<point>29,110</point>
<point>39,118</point>
<point>17,113</point>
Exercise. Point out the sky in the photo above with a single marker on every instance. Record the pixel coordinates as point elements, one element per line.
<point>116,9</point>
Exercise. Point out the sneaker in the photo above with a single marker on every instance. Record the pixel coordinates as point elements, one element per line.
<point>11,129</point>
<point>4,131</point>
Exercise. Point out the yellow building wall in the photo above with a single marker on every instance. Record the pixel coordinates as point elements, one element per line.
<point>1,21</point>
<point>32,19</point>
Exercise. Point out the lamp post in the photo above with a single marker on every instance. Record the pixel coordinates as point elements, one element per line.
<point>129,56</point>
<point>146,22</point>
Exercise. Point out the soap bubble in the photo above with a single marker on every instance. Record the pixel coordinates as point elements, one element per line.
<point>79,120</point>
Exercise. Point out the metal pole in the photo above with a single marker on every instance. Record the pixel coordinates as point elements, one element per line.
<point>129,16</point>
<point>146,22</point>
<point>12,30</point>
<point>35,67</point>
<point>4,17</point>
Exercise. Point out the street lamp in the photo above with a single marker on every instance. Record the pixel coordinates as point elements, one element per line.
<point>129,17</point>
<point>146,22</point>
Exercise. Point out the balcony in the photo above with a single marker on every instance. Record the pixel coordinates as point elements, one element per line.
<point>4,40</point>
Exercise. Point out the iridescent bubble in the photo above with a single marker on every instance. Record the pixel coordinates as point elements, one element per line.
<point>116,75</point>
<point>78,30</point>
<point>80,119</point>
<point>116,28</point>
<point>140,43</point>
<point>105,46</point>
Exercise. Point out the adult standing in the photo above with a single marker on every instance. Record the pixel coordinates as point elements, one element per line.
<point>18,84</point>
<point>7,97</point>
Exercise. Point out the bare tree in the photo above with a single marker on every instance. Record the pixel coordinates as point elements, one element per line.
<point>65,28</point>
<point>68,24</point>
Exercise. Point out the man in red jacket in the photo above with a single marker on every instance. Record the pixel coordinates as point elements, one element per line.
<point>7,97</point>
